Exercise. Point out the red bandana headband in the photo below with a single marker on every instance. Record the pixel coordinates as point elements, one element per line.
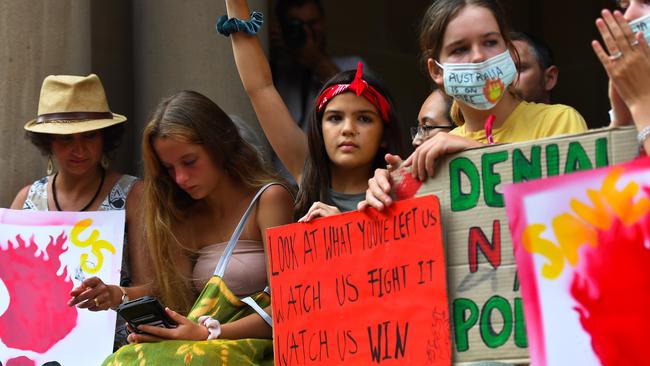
<point>361,88</point>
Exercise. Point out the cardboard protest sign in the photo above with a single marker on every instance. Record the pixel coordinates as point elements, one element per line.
<point>43,256</point>
<point>583,264</point>
<point>486,308</point>
<point>361,288</point>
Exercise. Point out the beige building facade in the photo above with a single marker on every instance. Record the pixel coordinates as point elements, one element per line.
<point>142,50</point>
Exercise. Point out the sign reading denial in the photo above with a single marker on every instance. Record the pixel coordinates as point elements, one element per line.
<point>487,312</point>
<point>361,288</point>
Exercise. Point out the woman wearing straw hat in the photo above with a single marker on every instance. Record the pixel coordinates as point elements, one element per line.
<point>76,129</point>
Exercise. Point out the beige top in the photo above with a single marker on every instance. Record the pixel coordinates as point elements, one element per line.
<point>246,270</point>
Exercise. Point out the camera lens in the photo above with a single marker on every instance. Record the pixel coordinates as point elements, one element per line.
<point>294,34</point>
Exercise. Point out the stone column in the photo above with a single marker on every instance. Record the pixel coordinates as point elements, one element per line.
<point>176,47</point>
<point>37,38</point>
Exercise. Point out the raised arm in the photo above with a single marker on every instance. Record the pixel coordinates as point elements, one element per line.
<point>287,139</point>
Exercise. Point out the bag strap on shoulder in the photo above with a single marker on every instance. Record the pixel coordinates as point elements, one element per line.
<point>232,243</point>
<point>230,248</point>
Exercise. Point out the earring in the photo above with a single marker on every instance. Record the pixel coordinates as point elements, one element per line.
<point>50,165</point>
<point>104,162</point>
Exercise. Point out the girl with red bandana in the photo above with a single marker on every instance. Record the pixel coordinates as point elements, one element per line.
<point>351,127</point>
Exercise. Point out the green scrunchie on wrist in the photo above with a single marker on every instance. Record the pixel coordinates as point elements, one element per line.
<point>228,26</point>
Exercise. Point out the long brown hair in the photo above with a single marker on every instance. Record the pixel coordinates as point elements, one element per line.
<point>434,25</point>
<point>192,118</point>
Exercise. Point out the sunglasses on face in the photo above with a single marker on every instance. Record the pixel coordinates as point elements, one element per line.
<point>425,130</point>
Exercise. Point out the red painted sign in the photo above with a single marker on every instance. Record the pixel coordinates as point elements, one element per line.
<point>361,288</point>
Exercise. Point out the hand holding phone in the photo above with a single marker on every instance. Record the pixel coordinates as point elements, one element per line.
<point>145,310</point>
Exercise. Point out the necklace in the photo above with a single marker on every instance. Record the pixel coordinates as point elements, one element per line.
<point>56,201</point>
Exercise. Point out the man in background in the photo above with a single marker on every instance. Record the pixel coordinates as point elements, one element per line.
<point>300,62</point>
<point>538,73</point>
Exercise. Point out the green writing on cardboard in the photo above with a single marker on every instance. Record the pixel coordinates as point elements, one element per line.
<point>466,315</point>
<point>524,167</point>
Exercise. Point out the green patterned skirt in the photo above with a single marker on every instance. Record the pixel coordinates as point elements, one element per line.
<point>217,301</point>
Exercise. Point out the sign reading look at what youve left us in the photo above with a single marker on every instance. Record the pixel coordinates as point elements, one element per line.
<point>361,288</point>
<point>43,256</point>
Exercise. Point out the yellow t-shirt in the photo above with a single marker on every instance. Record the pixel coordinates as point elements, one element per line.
<point>531,121</point>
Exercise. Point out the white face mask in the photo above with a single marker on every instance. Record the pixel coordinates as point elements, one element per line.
<point>480,85</point>
<point>642,25</point>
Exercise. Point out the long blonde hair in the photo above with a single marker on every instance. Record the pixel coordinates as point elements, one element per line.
<point>192,118</point>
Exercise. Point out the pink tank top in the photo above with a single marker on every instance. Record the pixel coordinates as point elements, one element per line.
<point>245,273</point>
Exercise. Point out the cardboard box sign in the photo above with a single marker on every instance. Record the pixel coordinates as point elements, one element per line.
<point>486,312</point>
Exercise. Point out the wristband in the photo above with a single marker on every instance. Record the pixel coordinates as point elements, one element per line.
<point>227,26</point>
<point>643,135</point>
<point>213,325</point>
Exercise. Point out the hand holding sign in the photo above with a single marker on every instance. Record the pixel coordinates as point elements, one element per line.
<point>93,294</point>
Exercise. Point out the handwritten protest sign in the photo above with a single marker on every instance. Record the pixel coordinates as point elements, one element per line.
<point>43,256</point>
<point>486,308</point>
<point>583,264</point>
<point>361,288</point>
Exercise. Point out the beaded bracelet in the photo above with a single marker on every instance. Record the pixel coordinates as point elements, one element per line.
<point>643,135</point>
<point>227,26</point>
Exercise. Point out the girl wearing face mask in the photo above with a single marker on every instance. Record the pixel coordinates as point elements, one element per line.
<point>469,55</point>
<point>627,62</point>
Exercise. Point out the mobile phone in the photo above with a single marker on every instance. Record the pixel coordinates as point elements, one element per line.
<point>145,310</point>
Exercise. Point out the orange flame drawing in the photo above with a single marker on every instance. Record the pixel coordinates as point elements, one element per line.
<point>493,90</point>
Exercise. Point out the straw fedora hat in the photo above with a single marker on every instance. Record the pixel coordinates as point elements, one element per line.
<point>72,104</point>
